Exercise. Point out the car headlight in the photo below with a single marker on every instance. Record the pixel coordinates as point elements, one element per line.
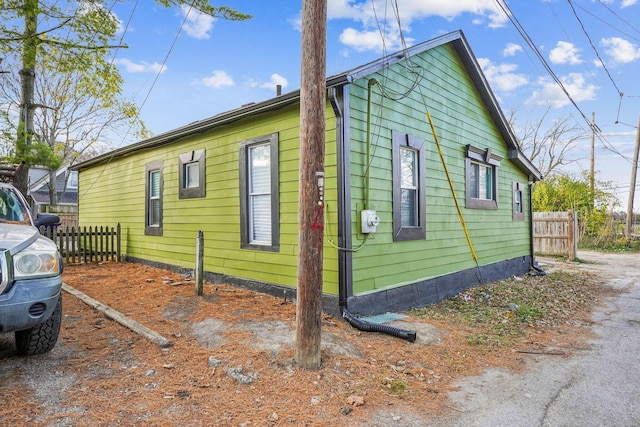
<point>35,264</point>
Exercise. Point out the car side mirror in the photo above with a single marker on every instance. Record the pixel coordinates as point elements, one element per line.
<point>47,219</point>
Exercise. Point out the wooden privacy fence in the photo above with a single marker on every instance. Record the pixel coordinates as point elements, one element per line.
<point>555,233</point>
<point>79,244</point>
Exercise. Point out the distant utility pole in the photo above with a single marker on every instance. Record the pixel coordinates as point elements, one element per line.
<point>311,194</point>
<point>592,172</point>
<point>632,188</point>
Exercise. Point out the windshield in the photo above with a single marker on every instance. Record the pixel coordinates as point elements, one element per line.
<point>12,208</point>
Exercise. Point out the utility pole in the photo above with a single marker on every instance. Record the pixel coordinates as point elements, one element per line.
<point>311,194</point>
<point>592,172</point>
<point>27,84</point>
<point>632,187</point>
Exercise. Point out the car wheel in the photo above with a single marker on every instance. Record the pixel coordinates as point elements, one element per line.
<point>40,338</point>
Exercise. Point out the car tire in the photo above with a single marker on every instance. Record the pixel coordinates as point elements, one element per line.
<point>40,338</point>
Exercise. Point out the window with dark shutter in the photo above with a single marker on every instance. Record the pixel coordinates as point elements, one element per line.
<point>153,199</point>
<point>409,186</point>
<point>481,167</point>
<point>259,193</point>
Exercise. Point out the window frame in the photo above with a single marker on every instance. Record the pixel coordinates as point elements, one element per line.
<point>518,189</point>
<point>404,141</point>
<point>481,157</point>
<point>245,226</point>
<point>153,229</point>
<point>185,160</point>
<point>72,180</point>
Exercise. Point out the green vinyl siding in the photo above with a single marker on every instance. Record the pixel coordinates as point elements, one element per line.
<point>114,192</point>
<point>439,83</point>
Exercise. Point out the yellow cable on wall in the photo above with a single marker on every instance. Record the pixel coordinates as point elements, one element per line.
<point>455,199</point>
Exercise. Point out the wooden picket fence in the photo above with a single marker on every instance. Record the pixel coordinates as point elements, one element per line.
<point>82,244</point>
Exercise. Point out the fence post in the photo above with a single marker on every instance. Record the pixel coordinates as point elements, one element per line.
<point>572,244</point>
<point>118,242</point>
<point>199,262</point>
<point>100,246</point>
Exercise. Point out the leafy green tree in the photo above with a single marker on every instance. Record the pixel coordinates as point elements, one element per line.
<point>79,35</point>
<point>560,193</point>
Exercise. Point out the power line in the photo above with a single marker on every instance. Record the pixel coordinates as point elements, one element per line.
<point>619,17</point>
<point>584,30</point>
<point>523,33</point>
<point>164,61</point>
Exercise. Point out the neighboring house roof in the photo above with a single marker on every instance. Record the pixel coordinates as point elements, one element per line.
<point>39,190</point>
<point>456,38</point>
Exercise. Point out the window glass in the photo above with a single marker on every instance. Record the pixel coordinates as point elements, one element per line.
<point>11,209</point>
<point>260,194</point>
<point>408,185</point>
<point>154,198</point>
<point>517,203</point>
<point>481,178</point>
<point>72,180</point>
<point>192,175</point>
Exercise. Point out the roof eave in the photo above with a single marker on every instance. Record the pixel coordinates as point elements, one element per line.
<point>477,76</point>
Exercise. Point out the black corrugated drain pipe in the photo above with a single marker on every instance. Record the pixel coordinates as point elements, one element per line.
<point>376,327</point>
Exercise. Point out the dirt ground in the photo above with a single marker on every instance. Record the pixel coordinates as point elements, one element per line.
<point>231,361</point>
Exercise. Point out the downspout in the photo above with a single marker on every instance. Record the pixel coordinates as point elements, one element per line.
<point>538,270</point>
<point>344,238</point>
<point>342,254</point>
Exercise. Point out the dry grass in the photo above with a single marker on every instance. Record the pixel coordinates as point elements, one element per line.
<point>120,378</point>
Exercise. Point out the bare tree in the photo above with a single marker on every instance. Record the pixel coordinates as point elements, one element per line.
<point>547,145</point>
<point>77,110</point>
<point>75,31</point>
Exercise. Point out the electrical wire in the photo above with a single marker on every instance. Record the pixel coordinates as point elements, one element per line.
<point>514,20</point>
<point>155,80</point>
<point>619,17</point>
<point>523,33</point>
<point>584,30</point>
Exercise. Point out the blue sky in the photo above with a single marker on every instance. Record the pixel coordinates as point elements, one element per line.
<point>181,66</point>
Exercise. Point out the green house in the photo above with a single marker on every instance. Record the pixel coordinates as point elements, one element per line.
<point>404,225</point>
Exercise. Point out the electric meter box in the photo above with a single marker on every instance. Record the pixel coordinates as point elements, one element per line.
<point>370,221</point>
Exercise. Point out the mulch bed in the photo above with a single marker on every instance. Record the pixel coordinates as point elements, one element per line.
<point>120,378</point>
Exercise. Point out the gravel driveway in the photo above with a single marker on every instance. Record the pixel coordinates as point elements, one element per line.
<point>599,387</point>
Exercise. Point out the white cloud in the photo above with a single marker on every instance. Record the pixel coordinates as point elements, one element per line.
<point>376,14</point>
<point>627,3</point>
<point>141,67</point>
<point>621,50</point>
<point>550,94</point>
<point>361,41</point>
<point>197,24</point>
<point>218,79</point>
<point>276,79</point>
<point>502,76</point>
<point>511,49</point>
<point>368,11</point>
<point>565,53</point>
